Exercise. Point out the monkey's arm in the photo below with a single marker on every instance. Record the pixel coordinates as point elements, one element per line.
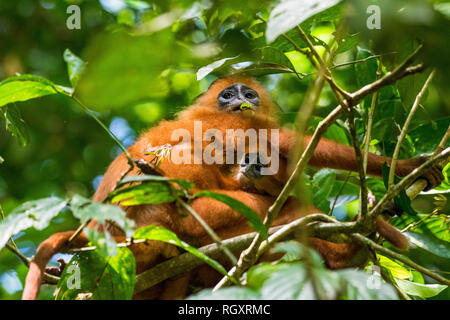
<point>331,154</point>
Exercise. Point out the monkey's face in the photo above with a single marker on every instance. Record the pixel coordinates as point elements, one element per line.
<point>238,98</point>
<point>252,180</point>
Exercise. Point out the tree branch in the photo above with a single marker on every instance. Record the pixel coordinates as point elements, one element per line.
<point>399,257</point>
<point>248,256</point>
<point>405,129</point>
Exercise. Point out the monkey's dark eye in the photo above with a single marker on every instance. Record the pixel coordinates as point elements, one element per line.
<point>227,95</point>
<point>250,95</point>
<point>257,168</point>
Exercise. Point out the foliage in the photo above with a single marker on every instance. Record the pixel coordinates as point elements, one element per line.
<point>131,65</point>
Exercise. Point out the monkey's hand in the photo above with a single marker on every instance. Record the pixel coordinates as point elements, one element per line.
<point>56,271</point>
<point>433,175</point>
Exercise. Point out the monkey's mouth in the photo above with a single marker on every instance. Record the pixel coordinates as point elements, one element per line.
<point>242,107</point>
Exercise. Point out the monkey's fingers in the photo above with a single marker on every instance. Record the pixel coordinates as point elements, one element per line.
<point>434,177</point>
<point>56,271</point>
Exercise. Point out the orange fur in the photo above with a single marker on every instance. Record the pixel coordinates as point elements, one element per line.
<point>219,178</point>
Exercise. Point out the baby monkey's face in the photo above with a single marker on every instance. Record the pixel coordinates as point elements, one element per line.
<point>251,178</point>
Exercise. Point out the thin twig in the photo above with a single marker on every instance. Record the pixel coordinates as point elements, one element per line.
<point>368,136</point>
<point>405,129</point>
<point>48,278</point>
<point>399,257</point>
<point>92,114</point>
<point>19,254</point>
<point>363,193</point>
<point>417,223</point>
<point>339,92</point>
<point>248,257</point>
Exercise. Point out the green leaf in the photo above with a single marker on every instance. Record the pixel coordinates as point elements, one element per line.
<point>262,69</point>
<point>366,72</point>
<point>24,87</point>
<point>377,187</point>
<point>75,66</point>
<point>233,293</point>
<point>323,182</point>
<point>15,124</point>
<point>420,290</point>
<point>126,17</point>
<point>272,55</point>
<point>427,136</point>
<point>362,286</point>
<point>86,209</point>
<point>293,283</point>
<point>401,200</point>
<point>290,13</point>
<point>443,8</point>
<point>101,278</point>
<point>334,132</point>
<point>348,43</point>
<point>292,249</point>
<point>137,4</point>
<point>430,243</point>
<point>151,178</point>
<point>204,71</point>
<point>36,214</point>
<point>125,69</point>
<point>396,269</point>
<point>152,232</point>
<point>104,243</point>
<point>147,193</point>
<point>253,219</point>
<point>284,45</point>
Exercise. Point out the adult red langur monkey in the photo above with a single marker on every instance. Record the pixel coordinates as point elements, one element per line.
<point>220,109</point>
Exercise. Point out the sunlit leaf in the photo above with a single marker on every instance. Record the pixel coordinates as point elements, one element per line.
<point>289,13</point>
<point>104,243</point>
<point>147,193</point>
<point>75,66</point>
<point>24,87</point>
<point>36,214</point>
<point>420,290</point>
<point>396,270</point>
<point>151,178</point>
<point>204,71</point>
<point>86,209</point>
